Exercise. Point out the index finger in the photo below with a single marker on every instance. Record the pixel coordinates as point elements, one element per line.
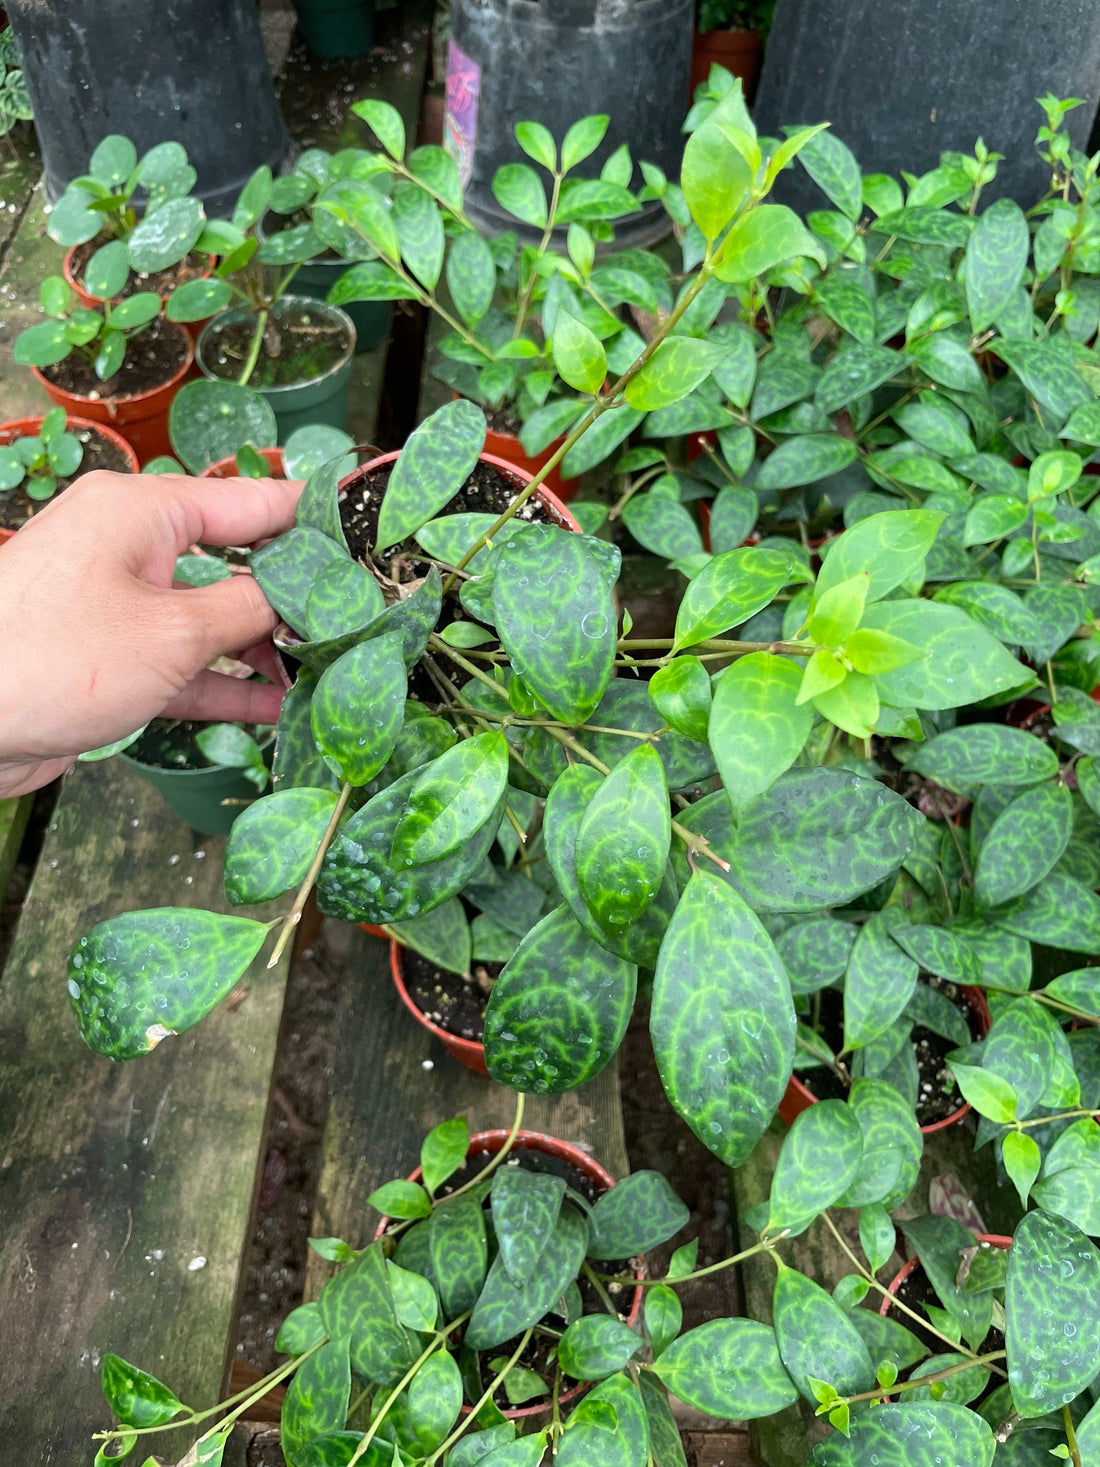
<point>229,511</point>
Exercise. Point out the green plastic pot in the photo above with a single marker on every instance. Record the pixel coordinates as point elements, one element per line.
<point>336,29</point>
<point>197,795</point>
<point>322,399</point>
<point>371,319</point>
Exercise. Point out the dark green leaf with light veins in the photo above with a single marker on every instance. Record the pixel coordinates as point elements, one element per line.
<point>452,798</point>
<point>819,1158</point>
<point>805,459</point>
<point>661,524</point>
<point>932,1008</point>
<point>357,882</point>
<point>459,1252</point>
<point>601,440</point>
<point>849,304</point>
<point>1053,1280</point>
<point>412,618</point>
<point>1088,782</point>
<point>818,838</point>
<point>856,370</point>
<point>985,753</point>
<point>963,663</point>
<point>886,1339</point>
<point>756,729</point>
<point>525,1209</point>
<point>1022,1048</point>
<point>434,1399</point>
<point>628,705</point>
<point>273,842</point>
<point>319,505</point>
<point>358,1303</point>
<point>1047,370</point>
<point>892,1147</point>
<point>995,261</point>
<point>419,226</point>
<point>344,596</point>
<point>301,1329</point>
<point>732,516</point>
<point>721,1021</point>
<point>636,1215</point>
<point>1025,843</point>
<point>565,807</point>
<point>1080,989</point>
<point>474,1446</point>
<point>136,978</point>
<point>911,1435</point>
<point>664,1317</point>
<point>451,536</point>
<point>939,951</point>
<point>287,569</point>
<point>297,762</point>
<point>596,1346</point>
<point>878,984</point>
<point>938,1242</point>
<point>889,547</point>
<point>682,694</point>
<point>442,936</point>
<point>832,166</point>
<point>1069,1184</point>
<point>609,1426</point>
<point>730,589</point>
<point>504,1309</point>
<point>664,1434</point>
<point>728,1368</point>
<point>316,1401</point>
<point>471,276</point>
<point>137,1399</point>
<point>816,1337</point>
<point>623,840</point>
<point>358,708</point>
<point>1059,913</point>
<point>1057,612</point>
<point>433,467</point>
<point>559,1009</point>
<point>816,953</point>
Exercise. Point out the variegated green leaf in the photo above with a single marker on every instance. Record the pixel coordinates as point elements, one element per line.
<point>505,1309</point>
<point>443,936</point>
<point>525,1208</point>
<point>316,1401</point>
<point>1053,1282</point>
<point>459,1252</point>
<point>137,978</point>
<point>273,842</point>
<point>924,1434</point>
<point>636,1215</point>
<point>559,1009</point>
<point>1023,1048</point>
<point>963,663</point>
<point>756,728</point>
<point>939,1241</point>
<point>885,1338</point>
<point>298,764</point>
<point>878,984</point>
<point>136,1398</point>
<point>681,692</point>
<point>609,1426</point>
<point>434,1399</point>
<point>729,589</point>
<point>357,1304</point>
<point>664,1434</point>
<point>623,840</point>
<point>1059,913</point>
<point>817,1162</point>
<point>664,1317</point>
<point>938,950</point>
<point>1024,844</point>
<point>452,798</point>
<point>729,1368</point>
<point>356,734</point>
<point>892,1148</point>
<point>287,568</point>
<point>343,597</point>
<point>319,504</point>
<point>984,753</point>
<point>1069,1183</point>
<point>722,1020</point>
<point>816,953</point>
<point>596,1346</point>
<point>560,641</point>
<point>434,465</point>
<point>627,705</point>
<point>411,618</point>
<point>816,1337</point>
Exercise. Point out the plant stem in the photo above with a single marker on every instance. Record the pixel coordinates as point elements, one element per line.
<point>547,235</point>
<point>722,644</point>
<point>495,1161</point>
<point>1071,1437</point>
<point>1065,1115</point>
<point>923,1380</point>
<point>294,916</point>
<point>597,1283</point>
<point>483,1400</point>
<point>766,1245</point>
<point>429,1349</point>
<point>254,349</point>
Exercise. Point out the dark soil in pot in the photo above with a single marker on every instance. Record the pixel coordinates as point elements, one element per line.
<point>450,1000</point>
<point>302,345</point>
<point>937,1096</point>
<point>164,282</point>
<point>169,743</point>
<point>501,420</point>
<point>153,356</point>
<point>16,506</point>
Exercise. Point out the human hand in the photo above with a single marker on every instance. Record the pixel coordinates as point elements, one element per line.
<point>100,642</point>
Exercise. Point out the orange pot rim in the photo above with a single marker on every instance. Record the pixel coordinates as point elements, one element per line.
<point>471,1052</point>
<point>113,403</point>
<point>225,467</point>
<point>84,294</point>
<point>995,1240</point>
<point>18,427</point>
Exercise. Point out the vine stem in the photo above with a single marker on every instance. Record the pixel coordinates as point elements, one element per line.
<point>766,1245</point>
<point>1071,1437</point>
<point>720,644</point>
<point>956,1345</point>
<point>923,1380</point>
<point>1066,1115</point>
<point>294,916</point>
<point>483,1400</point>
<point>254,349</point>
<point>437,1339</point>
<point>599,406</point>
<point>547,235</point>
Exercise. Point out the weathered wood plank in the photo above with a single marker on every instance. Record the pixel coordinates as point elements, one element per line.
<point>114,1178</point>
<point>31,256</point>
<point>14,815</point>
<point>393,1081</point>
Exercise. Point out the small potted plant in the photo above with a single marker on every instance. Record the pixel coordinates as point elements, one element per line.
<point>731,34</point>
<point>15,104</point>
<point>39,457</point>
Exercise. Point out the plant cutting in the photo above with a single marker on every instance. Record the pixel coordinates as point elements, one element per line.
<point>39,457</point>
<point>500,299</point>
<point>295,351</point>
<point>122,365</point>
<point>111,251</point>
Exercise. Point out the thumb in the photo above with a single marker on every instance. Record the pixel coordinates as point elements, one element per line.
<point>229,616</point>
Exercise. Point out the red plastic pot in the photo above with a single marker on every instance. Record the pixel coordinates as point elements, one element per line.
<point>142,419</point>
<point>226,468</point>
<point>740,52</point>
<point>94,302</point>
<point>798,1098</point>
<point>470,1052</point>
<point>28,427</point>
<point>995,1240</point>
<point>492,1141</point>
<point>507,446</point>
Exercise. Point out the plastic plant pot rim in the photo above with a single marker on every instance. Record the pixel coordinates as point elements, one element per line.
<point>112,405</point>
<point>995,1240</point>
<point>549,501</point>
<point>470,1052</point>
<point>285,302</point>
<point>84,294</point>
<point>492,1141</point>
<point>226,468</point>
<point>28,428</point>
<point>193,774</point>
<point>805,1097</point>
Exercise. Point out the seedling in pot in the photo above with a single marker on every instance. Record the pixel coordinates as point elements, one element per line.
<point>36,461</point>
<point>100,338</point>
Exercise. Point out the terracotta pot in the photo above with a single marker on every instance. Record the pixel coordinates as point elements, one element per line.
<point>470,1052</point>
<point>492,1141</point>
<point>508,447</point>
<point>740,52</point>
<point>226,468</point>
<point>28,427</point>
<point>995,1240</point>
<point>142,419</point>
<point>798,1098</point>
<point>193,328</point>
